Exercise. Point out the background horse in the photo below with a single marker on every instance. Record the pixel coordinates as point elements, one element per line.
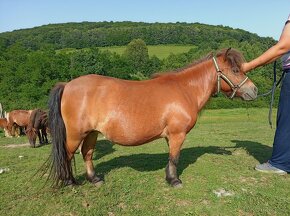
<point>37,127</point>
<point>3,124</point>
<point>16,119</point>
<point>132,113</point>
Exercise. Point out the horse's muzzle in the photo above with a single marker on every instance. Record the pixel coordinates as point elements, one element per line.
<point>250,94</point>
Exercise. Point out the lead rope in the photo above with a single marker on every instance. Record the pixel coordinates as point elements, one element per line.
<point>272,91</point>
<point>272,96</point>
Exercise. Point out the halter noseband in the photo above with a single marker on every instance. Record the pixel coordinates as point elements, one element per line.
<point>220,75</point>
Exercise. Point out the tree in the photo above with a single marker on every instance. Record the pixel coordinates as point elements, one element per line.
<point>136,53</point>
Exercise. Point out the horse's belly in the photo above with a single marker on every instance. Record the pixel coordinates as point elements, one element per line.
<point>133,134</point>
<point>129,141</point>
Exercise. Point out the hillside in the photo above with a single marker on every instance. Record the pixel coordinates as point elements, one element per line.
<point>99,34</point>
<point>33,60</point>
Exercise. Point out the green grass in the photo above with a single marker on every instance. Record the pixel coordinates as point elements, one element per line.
<point>220,152</point>
<point>161,51</point>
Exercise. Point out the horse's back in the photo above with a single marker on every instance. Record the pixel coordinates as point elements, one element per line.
<point>112,90</point>
<point>20,117</point>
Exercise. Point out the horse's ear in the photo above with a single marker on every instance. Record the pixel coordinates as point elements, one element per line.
<point>228,50</point>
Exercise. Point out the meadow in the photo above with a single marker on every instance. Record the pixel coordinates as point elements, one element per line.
<point>216,167</point>
<point>160,51</point>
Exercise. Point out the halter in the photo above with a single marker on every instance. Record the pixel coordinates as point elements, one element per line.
<point>220,75</point>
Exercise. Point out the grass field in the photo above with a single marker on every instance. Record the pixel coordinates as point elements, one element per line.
<point>218,154</point>
<point>161,51</point>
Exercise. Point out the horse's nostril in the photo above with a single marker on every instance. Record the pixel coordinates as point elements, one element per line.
<point>255,89</point>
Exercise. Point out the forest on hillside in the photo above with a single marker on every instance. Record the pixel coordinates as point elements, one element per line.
<point>31,62</point>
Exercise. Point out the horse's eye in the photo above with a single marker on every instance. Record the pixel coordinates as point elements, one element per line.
<point>236,69</point>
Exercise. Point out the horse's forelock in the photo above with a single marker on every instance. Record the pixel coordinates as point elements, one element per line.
<point>233,57</point>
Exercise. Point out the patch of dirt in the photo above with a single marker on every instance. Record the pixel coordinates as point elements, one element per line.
<point>16,145</point>
<point>205,202</point>
<point>248,180</point>
<point>222,193</point>
<point>183,203</point>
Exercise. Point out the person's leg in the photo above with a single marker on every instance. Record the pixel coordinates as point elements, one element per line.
<point>281,147</point>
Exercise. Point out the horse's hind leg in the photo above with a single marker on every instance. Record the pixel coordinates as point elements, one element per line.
<point>72,144</point>
<point>88,147</point>
<point>175,142</point>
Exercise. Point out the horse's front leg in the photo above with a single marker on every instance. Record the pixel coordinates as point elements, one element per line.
<point>11,129</point>
<point>39,137</point>
<point>174,142</point>
<point>43,132</point>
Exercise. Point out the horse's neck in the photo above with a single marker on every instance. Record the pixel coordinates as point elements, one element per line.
<point>200,82</point>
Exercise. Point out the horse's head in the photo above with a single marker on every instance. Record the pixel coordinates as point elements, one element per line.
<point>231,80</point>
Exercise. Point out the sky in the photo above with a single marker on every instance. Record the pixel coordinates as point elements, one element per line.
<point>263,17</point>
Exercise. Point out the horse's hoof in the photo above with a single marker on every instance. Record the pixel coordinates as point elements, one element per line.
<point>32,146</point>
<point>179,185</point>
<point>99,183</point>
<point>176,183</point>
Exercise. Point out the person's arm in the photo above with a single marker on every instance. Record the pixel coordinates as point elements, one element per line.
<point>276,51</point>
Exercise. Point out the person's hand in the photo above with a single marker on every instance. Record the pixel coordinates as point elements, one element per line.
<point>245,67</point>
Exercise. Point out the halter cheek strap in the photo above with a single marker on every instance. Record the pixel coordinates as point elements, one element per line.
<point>220,75</point>
<point>219,72</point>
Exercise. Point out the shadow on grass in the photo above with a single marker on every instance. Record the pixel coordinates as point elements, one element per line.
<point>103,148</point>
<point>151,162</point>
<point>40,145</point>
<point>258,150</point>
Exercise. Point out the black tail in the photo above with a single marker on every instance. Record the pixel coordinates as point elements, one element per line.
<point>59,162</point>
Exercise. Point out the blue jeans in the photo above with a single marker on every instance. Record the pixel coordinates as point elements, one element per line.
<point>281,146</point>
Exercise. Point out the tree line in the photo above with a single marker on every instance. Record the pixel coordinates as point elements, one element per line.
<point>31,63</point>
<point>100,34</point>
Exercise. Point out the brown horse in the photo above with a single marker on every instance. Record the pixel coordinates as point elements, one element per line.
<point>37,127</point>
<point>3,124</point>
<point>16,119</point>
<point>132,113</point>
